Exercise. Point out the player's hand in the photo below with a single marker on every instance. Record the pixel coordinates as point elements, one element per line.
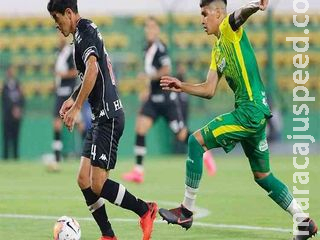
<point>66,107</point>
<point>70,117</point>
<point>263,4</point>
<point>170,84</point>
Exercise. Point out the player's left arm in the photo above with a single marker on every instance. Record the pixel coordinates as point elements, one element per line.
<point>89,80</point>
<point>240,16</point>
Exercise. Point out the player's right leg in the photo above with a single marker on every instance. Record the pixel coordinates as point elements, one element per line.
<point>194,166</point>
<point>103,159</point>
<point>147,115</point>
<point>223,131</point>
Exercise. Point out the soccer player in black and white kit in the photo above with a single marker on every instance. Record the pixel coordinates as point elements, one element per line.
<point>66,77</point>
<point>157,63</point>
<point>100,148</point>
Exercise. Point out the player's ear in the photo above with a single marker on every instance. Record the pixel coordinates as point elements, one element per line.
<point>68,12</point>
<point>218,13</point>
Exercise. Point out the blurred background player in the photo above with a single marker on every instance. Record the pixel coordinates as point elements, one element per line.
<point>157,102</point>
<point>66,77</point>
<point>12,113</point>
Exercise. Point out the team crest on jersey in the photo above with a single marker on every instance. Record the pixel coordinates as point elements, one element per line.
<point>263,145</point>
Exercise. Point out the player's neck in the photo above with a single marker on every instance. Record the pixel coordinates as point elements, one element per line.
<point>218,33</point>
<point>76,22</point>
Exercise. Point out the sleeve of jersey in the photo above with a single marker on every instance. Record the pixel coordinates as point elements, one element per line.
<point>227,30</point>
<point>213,64</point>
<point>88,47</point>
<point>164,58</point>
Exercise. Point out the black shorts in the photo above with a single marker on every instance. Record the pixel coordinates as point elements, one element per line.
<point>166,105</point>
<point>58,104</point>
<point>101,142</point>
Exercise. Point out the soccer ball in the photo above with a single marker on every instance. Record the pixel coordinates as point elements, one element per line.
<point>66,228</point>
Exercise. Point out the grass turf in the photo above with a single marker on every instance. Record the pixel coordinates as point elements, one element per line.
<point>232,197</point>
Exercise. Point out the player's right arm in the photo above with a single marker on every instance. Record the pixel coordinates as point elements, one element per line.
<point>206,89</point>
<point>240,16</point>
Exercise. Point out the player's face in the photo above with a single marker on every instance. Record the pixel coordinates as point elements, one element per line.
<point>151,30</point>
<point>210,20</point>
<point>63,22</point>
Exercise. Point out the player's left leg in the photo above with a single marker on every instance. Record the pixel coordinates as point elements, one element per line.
<point>172,112</point>
<point>256,149</point>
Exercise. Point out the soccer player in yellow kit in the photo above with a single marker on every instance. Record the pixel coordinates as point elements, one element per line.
<point>233,57</point>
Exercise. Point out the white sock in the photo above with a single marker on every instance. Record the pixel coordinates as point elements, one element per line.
<point>296,211</point>
<point>190,196</point>
<point>139,168</point>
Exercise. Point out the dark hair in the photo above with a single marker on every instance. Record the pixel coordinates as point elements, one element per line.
<point>153,19</point>
<point>204,3</point>
<point>60,6</point>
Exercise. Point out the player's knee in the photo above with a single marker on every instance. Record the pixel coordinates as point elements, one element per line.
<point>141,129</point>
<point>83,181</point>
<point>260,175</point>
<point>57,125</point>
<point>96,187</point>
<point>193,142</point>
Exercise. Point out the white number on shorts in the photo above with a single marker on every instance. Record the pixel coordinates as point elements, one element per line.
<point>93,151</point>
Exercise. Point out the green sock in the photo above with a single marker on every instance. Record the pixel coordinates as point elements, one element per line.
<point>278,191</point>
<point>194,163</point>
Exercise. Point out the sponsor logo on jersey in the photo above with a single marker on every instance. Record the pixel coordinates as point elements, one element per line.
<point>102,113</point>
<point>103,157</point>
<point>222,65</point>
<point>117,105</point>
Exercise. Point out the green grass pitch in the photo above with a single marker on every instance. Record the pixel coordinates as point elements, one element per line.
<point>233,206</point>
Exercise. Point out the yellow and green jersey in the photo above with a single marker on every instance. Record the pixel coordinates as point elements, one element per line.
<point>233,57</point>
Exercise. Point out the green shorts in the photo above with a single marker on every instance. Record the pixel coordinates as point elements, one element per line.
<point>246,124</point>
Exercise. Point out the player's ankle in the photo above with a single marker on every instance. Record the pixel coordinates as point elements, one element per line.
<point>186,212</point>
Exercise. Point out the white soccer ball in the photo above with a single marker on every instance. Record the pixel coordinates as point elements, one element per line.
<point>66,228</point>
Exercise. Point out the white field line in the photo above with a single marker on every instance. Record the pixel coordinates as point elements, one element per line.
<point>200,224</point>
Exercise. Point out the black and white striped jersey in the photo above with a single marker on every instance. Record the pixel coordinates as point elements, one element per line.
<point>104,99</point>
<point>155,57</point>
<point>64,63</point>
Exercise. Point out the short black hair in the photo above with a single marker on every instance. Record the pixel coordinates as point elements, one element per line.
<point>60,6</point>
<point>204,3</point>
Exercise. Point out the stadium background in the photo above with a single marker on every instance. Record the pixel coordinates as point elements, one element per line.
<point>28,41</point>
<point>231,206</point>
